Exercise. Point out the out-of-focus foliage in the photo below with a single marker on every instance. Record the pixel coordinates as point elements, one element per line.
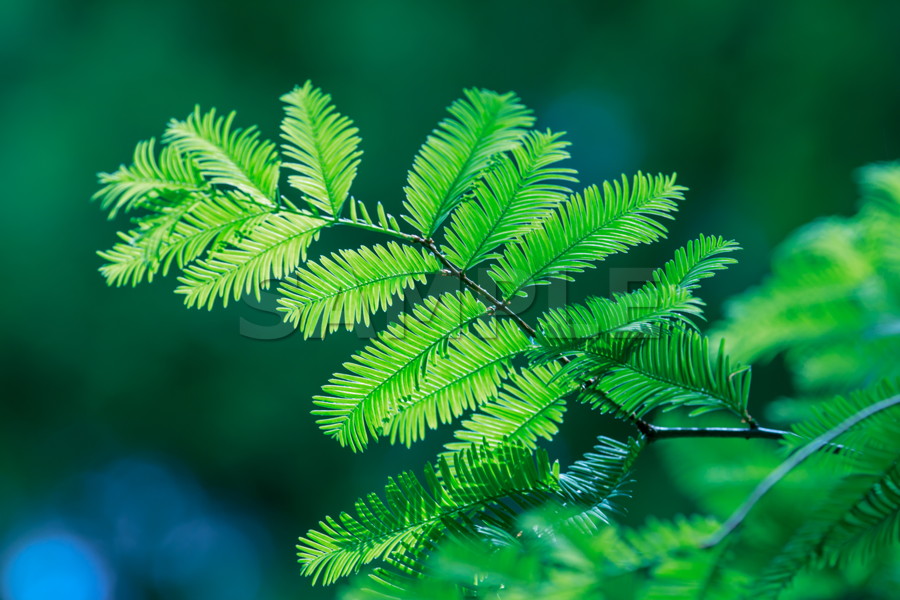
<point>832,303</point>
<point>554,561</point>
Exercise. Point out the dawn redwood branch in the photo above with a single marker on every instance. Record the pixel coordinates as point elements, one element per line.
<point>650,431</point>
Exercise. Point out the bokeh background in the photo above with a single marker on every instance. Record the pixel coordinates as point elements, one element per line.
<point>147,451</point>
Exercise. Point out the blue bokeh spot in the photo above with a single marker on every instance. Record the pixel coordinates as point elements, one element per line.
<point>54,567</point>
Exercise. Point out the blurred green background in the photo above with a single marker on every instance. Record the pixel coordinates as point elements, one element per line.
<point>152,452</point>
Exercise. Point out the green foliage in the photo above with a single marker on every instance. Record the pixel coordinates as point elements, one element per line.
<point>859,519</point>
<point>832,301</point>
<point>593,484</point>
<point>226,157</point>
<point>324,146</point>
<point>572,564</point>
<point>475,482</point>
<point>531,405</point>
<point>348,287</point>
<point>272,250</point>
<point>665,299</point>
<point>828,307</point>
<point>670,369</point>
<point>699,259</point>
<point>513,194</point>
<point>149,181</point>
<point>470,373</point>
<point>390,368</point>
<point>209,203</point>
<point>860,515</point>
<point>453,157</point>
<point>587,228</point>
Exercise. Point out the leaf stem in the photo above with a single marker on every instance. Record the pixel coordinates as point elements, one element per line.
<point>281,208</point>
<point>362,225</point>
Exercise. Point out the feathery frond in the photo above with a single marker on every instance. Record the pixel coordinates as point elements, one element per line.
<point>587,228</point>
<point>149,181</point>
<point>664,300</point>
<point>324,145</point>
<point>209,225</point>
<point>592,483</point>
<point>126,261</point>
<point>145,247</point>
<point>871,523</point>
<point>514,194</point>
<point>531,405</point>
<point>833,299</point>
<point>454,155</point>
<point>357,403</point>
<point>674,369</point>
<point>699,259</point>
<point>479,482</point>
<point>641,313</point>
<point>266,253</point>
<point>232,158</point>
<point>860,519</point>
<point>348,287</point>
<point>179,234</point>
<point>821,290</point>
<point>462,379</point>
<point>207,202</point>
